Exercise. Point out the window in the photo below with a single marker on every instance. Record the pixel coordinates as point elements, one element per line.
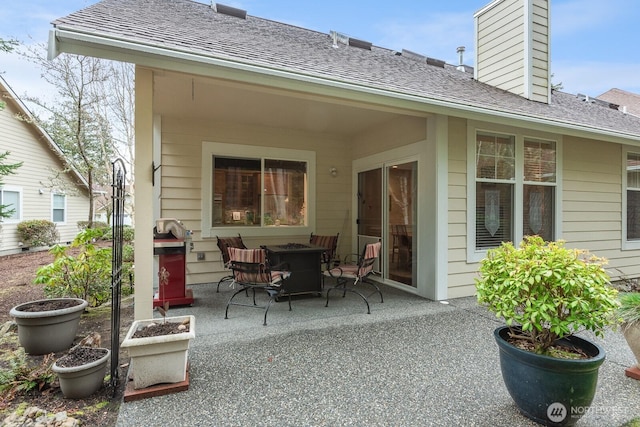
<point>515,179</point>
<point>256,188</point>
<point>11,202</point>
<point>59,208</point>
<point>632,181</point>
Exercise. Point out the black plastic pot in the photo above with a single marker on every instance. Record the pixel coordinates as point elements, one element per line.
<point>548,390</point>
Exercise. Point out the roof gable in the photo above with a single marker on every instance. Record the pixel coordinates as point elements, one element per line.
<point>9,96</point>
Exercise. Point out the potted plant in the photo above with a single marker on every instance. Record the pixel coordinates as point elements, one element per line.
<point>158,350</point>
<point>546,293</point>
<point>81,372</point>
<point>629,313</point>
<point>48,325</point>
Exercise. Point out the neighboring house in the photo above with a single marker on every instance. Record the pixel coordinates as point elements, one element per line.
<point>246,125</point>
<point>626,102</point>
<point>103,207</point>
<point>28,191</point>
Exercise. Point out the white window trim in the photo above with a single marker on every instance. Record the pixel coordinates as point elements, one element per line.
<point>64,221</point>
<point>627,245</point>
<point>18,190</point>
<point>473,255</point>
<point>239,150</point>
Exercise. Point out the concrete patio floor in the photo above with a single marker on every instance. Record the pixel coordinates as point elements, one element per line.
<point>411,362</point>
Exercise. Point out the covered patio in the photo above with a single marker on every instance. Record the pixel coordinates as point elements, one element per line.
<point>411,362</point>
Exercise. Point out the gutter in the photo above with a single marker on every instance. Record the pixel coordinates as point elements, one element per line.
<point>119,48</point>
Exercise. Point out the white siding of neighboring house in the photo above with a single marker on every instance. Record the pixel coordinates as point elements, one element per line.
<point>27,145</point>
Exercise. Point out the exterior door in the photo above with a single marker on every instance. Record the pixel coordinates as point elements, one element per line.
<point>387,211</point>
<point>401,225</point>
<point>369,222</point>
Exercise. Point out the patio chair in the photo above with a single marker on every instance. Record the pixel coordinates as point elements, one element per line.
<point>223,244</point>
<point>328,256</point>
<point>355,273</point>
<point>251,270</point>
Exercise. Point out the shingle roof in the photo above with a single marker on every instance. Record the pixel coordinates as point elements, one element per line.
<point>195,28</point>
<point>623,98</point>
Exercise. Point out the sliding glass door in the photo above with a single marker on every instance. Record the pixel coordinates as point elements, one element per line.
<point>387,211</point>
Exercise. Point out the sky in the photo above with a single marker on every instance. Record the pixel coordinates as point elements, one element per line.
<point>594,43</point>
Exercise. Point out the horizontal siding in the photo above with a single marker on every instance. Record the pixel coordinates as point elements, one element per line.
<point>592,214</point>
<point>181,176</point>
<point>27,145</point>
<point>500,53</point>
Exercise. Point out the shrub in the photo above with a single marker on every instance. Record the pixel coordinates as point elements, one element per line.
<point>82,225</point>
<point>38,232</point>
<point>86,275</point>
<point>21,377</point>
<point>546,291</point>
<point>128,233</point>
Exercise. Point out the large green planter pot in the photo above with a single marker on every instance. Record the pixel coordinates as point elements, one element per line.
<point>77,382</point>
<point>548,390</point>
<point>48,331</point>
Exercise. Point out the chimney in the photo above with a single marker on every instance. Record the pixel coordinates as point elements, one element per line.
<point>512,47</point>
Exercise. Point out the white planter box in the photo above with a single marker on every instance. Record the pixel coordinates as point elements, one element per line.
<point>161,359</point>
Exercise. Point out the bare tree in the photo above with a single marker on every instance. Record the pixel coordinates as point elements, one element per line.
<point>77,119</point>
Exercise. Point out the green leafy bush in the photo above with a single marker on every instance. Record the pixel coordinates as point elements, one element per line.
<point>21,376</point>
<point>86,275</point>
<point>546,290</point>
<point>128,233</point>
<point>38,232</point>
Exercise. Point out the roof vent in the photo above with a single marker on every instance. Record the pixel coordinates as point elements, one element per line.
<point>360,43</point>
<point>435,62</point>
<point>228,10</point>
<point>349,41</point>
<point>460,52</point>
<point>412,55</point>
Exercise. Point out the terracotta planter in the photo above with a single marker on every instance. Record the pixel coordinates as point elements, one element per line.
<point>548,390</point>
<point>632,335</point>
<point>159,359</point>
<point>77,382</point>
<point>49,331</point>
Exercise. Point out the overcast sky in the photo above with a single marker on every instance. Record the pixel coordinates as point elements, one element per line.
<point>594,43</point>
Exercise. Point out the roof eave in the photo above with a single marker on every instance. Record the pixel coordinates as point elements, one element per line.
<point>69,40</point>
<point>45,135</point>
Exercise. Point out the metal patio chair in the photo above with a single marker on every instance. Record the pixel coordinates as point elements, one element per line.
<point>251,270</point>
<point>356,273</point>
<point>330,243</point>
<point>224,243</point>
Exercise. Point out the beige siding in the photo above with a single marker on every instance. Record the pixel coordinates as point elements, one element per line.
<point>181,177</point>
<point>592,215</point>
<point>40,163</point>
<point>513,48</point>
<point>501,53</point>
<point>540,51</point>
<point>461,274</point>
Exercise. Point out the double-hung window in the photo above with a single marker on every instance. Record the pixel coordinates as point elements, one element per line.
<point>512,192</point>
<point>59,208</point>
<point>11,202</point>
<point>631,180</point>
<point>252,189</point>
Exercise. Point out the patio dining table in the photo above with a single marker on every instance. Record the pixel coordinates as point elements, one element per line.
<point>304,263</point>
